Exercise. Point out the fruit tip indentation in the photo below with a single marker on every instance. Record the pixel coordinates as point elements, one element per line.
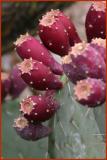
<point>20,122</point>
<point>82,90</point>
<point>66,59</point>
<point>22,39</point>
<point>27,106</point>
<point>99,6</point>
<point>99,41</point>
<point>26,66</point>
<point>78,49</point>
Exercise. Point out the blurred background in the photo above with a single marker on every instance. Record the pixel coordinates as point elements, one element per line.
<point>19,18</point>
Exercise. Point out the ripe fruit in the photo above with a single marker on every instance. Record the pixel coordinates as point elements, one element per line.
<point>5,84</point>
<point>39,108</point>
<point>28,47</point>
<point>67,23</point>
<point>90,91</point>
<point>54,35</point>
<point>38,76</point>
<point>100,45</point>
<point>96,21</point>
<point>84,61</point>
<point>30,131</point>
<point>18,85</point>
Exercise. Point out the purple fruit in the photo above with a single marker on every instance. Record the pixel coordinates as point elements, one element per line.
<point>18,85</point>
<point>28,47</point>
<point>54,35</point>
<point>84,61</point>
<point>39,108</point>
<point>91,92</point>
<point>68,24</point>
<point>30,131</point>
<point>100,45</point>
<point>39,76</point>
<point>96,21</point>
<point>5,84</point>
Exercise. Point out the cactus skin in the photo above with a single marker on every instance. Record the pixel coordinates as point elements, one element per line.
<point>39,76</point>
<point>96,21</point>
<point>28,47</point>
<point>54,35</point>
<point>100,45</point>
<point>18,85</point>
<point>84,61</point>
<point>91,92</point>
<point>29,131</point>
<point>68,24</point>
<point>66,112</point>
<point>5,84</point>
<point>39,108</point>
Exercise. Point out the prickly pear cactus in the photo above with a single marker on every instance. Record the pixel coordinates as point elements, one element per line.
<point>78,131</point>
<point>66,117</point>
<point>77,124</point>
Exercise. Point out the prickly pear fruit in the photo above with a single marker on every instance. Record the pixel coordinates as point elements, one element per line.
<point>39,108</point>
<point>38,76</point>
<point>30,131</point>
<point>68,24</point>
<point>90,91</point>
<point>54,35</point>
<point>96,21</point>
<point>28,47</point>
<point>18,85</point>
<point>84,61</point>
<point>100,45</point>
<point>5,84</point>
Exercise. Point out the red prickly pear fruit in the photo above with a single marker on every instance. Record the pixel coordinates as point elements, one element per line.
<point>18,84</point>
<point>100,45</point>
<point>30,131</point>
<point>39,108</point>
<point>5,84</point>
<point>39,76</point>
<point>54,35</point>
<point>84,61</point>
<point>29,47</point>
<point>90,91</point>
<point>96,21</point>
<point>68,24</point>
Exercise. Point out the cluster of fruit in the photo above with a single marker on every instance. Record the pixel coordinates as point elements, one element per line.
<point>82,62</point>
